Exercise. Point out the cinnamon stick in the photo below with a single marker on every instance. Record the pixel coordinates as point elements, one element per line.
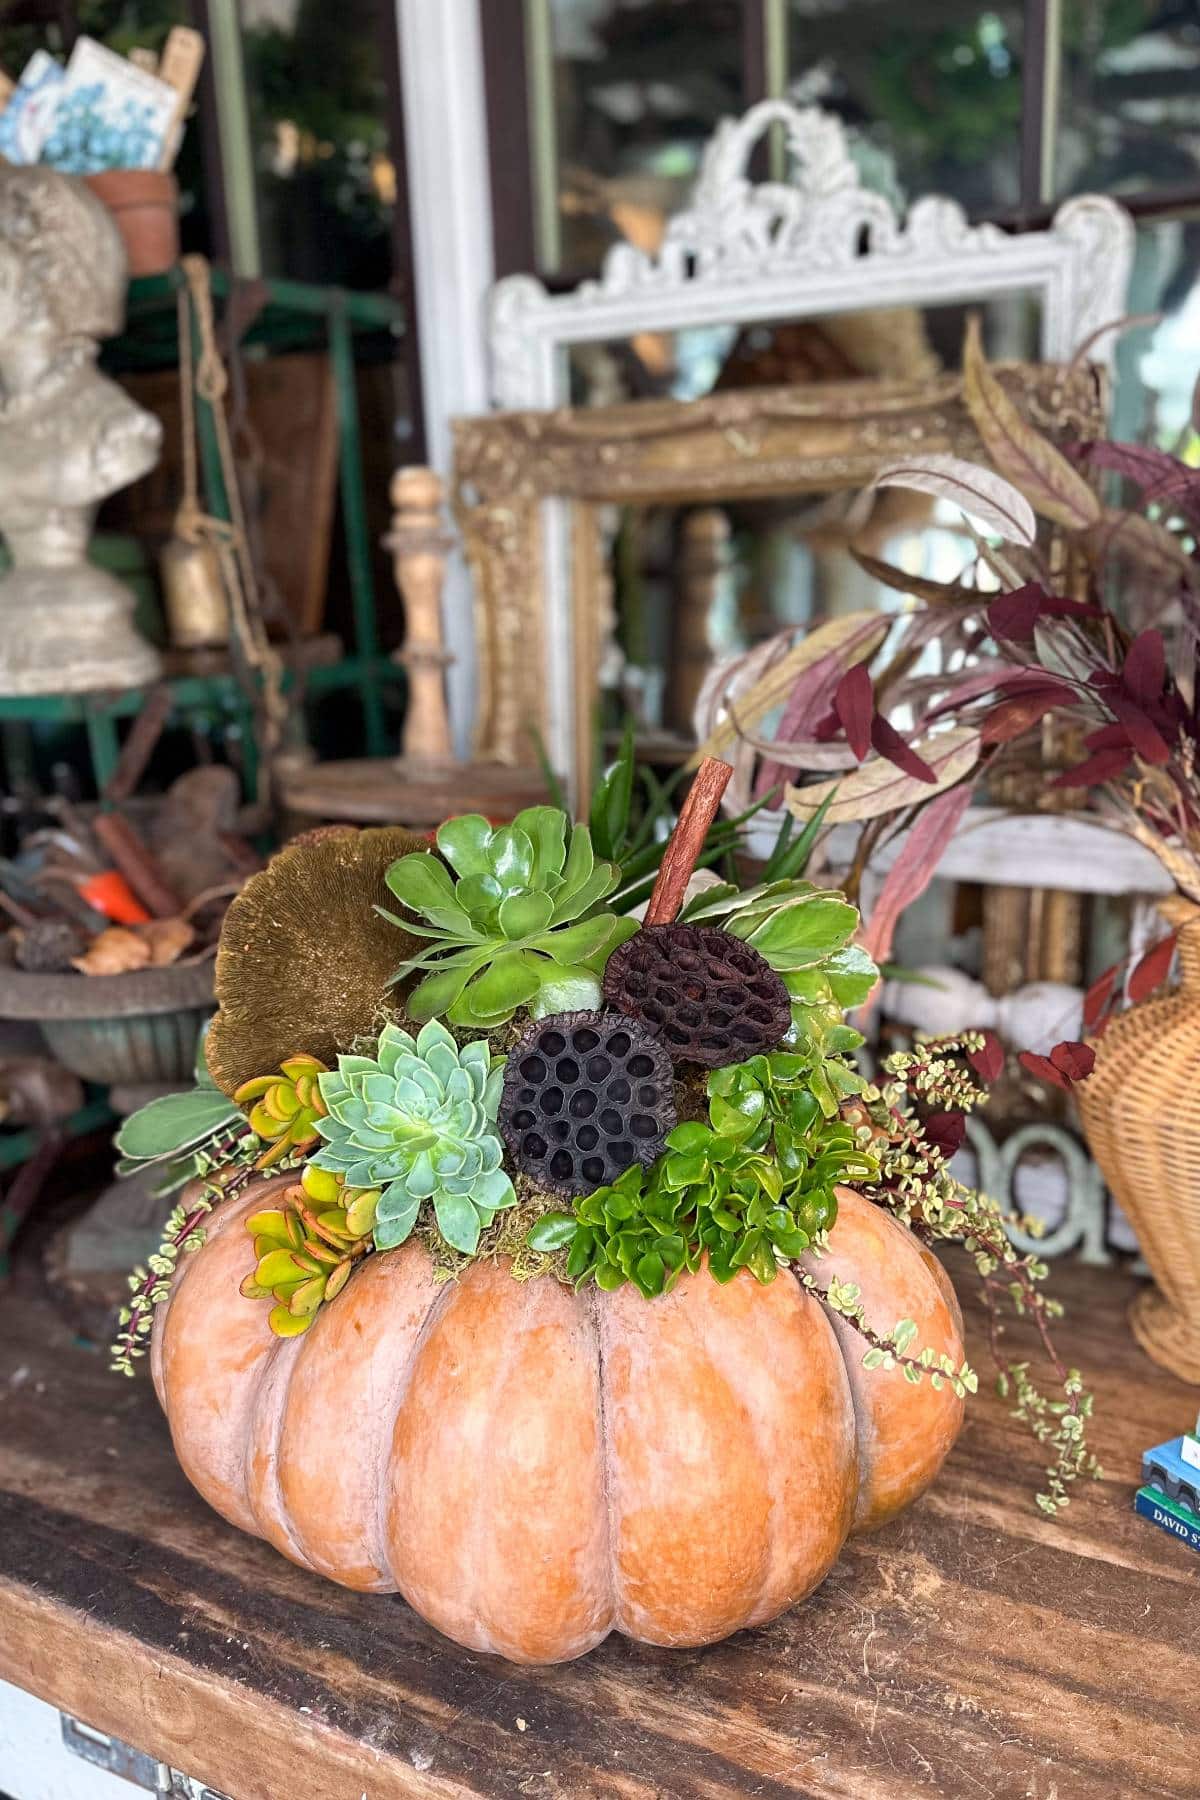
<point>687,840</point>
<point>135,861</point>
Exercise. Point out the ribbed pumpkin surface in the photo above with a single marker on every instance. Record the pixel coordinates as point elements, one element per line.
<point>533,1468</point>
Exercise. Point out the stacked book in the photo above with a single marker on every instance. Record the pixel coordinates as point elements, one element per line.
<point>1170,1493</point>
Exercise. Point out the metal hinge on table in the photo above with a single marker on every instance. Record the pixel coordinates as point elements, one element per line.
<point>132,1765</point>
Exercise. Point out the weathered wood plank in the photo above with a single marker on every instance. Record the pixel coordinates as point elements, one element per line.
<point>972,1647</point>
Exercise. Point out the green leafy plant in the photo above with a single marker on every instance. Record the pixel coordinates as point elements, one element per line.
<point>889,1349</point>
<point>185,1135</point>
<point>415,1122</point>
<point>518,928</point>
<point>752,1187</point>
<point>804,933</point>
<point>631,814</point>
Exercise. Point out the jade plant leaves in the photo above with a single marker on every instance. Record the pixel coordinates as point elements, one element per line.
<point>510,923</point>
<point>749,1188</point>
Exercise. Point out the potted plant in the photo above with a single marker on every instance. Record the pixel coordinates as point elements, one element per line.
<point>1092,630</point>
<point>557,1271</point>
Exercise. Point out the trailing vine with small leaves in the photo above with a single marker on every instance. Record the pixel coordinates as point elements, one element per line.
<point>889,1350</point>
<point>915,1184</point>
<point>226,1166</point>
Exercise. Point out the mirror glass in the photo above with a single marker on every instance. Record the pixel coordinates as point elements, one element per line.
<point>903,343</point>
<point>694,584</point>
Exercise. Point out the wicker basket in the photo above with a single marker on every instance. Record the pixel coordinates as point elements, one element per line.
<point>1141,1113</point>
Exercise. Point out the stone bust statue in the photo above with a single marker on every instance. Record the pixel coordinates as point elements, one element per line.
<point>69,437</point>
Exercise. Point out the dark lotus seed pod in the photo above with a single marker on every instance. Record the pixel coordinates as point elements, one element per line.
<point>585,1095</point>
<point>707,996</point>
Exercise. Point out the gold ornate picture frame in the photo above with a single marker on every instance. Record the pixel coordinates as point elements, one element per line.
<point>538,653</point>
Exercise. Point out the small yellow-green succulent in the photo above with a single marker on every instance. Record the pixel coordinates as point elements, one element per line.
<point>307,1247</point>
<point>284,1108</point>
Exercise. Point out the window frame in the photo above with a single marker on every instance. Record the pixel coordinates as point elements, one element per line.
<point>507,49</point>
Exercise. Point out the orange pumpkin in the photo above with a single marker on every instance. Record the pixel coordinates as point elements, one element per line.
<point>533,1468</point>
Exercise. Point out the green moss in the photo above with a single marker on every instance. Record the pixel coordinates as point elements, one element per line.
<point>505,1237</point>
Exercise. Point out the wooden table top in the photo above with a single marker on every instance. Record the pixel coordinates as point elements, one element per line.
<point>971,1648</point>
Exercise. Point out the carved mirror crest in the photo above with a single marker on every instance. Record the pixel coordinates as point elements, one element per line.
<point>820,245</point>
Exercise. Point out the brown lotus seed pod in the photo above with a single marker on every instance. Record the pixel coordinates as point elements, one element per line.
<point>585,1095</point>
<point>708,997</point>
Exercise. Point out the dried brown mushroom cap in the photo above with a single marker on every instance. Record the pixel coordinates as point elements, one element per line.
<point>305,961</point>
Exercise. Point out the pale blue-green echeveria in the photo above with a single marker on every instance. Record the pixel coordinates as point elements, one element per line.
<point>521,926</point>
<point>415,1120</point>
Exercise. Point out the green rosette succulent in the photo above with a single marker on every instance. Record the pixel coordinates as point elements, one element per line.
<point>514,926</point>
<point>415,1121</point>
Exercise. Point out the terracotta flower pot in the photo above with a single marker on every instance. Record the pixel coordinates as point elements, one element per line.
<point>1141,1112</point>
<point>145,205</point>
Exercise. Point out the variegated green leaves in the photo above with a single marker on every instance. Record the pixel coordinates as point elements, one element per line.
<point>516,929</point>
<point>415,1121</point>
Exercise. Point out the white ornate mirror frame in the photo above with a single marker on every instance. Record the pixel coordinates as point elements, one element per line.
<point>819,244</point>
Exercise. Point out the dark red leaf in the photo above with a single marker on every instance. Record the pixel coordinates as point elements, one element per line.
<point>1057,606</point>
<point>1010,717</point>
<point>1145,668</point>
<point>1025,680</point>
<point>988,1063</point>
<point>1108,737</point>
<point>1098,996</point>
<point>854,704</point>
<point>1153,968</point>
<point>889,743</point>
<point>810,700</point>
<point>1015,615</point>
<point>946,1131</point>
<point>1043,1068</point>
<point>1105,765</point>
<point>1006,683</point>
<point>972,687</point>
<point>1075,1061</point>
<point>1148,742</point>
<point>1160,475</point>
